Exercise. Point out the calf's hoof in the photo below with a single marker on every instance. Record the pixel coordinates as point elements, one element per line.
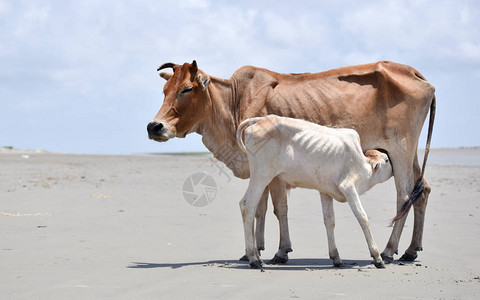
<point>387,259</point>
<point>243,258</point>
<point>276,260</point>
<point>379,265</point>
<point>408,257</point>
<point>256,265</point>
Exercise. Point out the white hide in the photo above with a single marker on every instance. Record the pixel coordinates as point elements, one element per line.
<point>307,155</point>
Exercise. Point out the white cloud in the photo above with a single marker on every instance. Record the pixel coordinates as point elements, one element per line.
<point>5,7</point>
<point>280,30</point>
<point>470,51</point>
<point>356,57</point>
<point>33,18</point>
<point>103,55</point>
<point>444,31</point>
<point>193,4</point>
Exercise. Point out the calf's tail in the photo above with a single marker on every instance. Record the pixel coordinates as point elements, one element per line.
<point>419,187</point>
<point>241,128</point>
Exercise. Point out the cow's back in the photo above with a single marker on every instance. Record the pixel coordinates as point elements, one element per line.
<point>376,100</point>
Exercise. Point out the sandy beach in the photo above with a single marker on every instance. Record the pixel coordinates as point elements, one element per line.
<point>120,227</point>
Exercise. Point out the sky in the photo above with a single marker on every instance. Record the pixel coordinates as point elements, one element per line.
<point>80,76</point>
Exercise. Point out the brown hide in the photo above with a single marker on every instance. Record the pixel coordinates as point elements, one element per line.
<point>386,103</point>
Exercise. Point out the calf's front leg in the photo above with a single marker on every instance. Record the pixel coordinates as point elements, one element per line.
<point>353,200</point>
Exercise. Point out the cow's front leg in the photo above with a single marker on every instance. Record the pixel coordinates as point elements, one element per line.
<point>260,221</point>
<point>278,191</point>
<point>248,207</point>
<point>329,220</point>
<point>260,224</point>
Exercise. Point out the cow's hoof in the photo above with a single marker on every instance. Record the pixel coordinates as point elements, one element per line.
<point>408,257</point>
<point>338,265</point>
<point>243,258</point>
<point>387,259</point>
<point>379,265</point>
<point>256,265</point>
<point>276,260</point>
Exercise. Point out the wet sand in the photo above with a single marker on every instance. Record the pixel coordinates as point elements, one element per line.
<point>118,227</point>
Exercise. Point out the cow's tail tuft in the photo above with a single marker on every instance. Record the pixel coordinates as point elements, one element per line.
<point>417,192</point>
<point>241,128</point>
<point>419,187</point>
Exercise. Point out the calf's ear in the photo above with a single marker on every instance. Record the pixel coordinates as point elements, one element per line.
<point>375,165</point>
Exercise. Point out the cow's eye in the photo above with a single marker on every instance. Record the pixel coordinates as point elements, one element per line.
<point>186,90</point>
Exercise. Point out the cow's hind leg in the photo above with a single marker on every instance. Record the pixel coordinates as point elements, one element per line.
<point>419,219</point>
<point>329,220</point>
<point>278,191</point>
<point>406,170</point>
<point>404,180</point>
<point>353,200</point>
<point>260,224</point>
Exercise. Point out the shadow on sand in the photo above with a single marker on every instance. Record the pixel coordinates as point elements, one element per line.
<point>291,265</point>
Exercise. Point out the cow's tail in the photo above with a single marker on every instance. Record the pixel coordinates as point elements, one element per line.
<point>419,187</point>
<point>241,128</point>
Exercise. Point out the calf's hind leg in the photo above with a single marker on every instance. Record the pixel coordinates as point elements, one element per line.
<point>260,224</point>
<point>329,220</point>
<point>248,207</point>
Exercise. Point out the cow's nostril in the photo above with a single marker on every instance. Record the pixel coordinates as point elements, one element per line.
<point>154,128</point>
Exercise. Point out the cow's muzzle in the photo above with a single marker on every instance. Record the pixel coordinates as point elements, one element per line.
<point>157,132</point>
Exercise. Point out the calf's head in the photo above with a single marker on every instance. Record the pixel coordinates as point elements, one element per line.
<point>381,166</point>
<point>186,102</point>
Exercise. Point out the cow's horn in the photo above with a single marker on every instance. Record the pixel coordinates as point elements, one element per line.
<point>166,65</point>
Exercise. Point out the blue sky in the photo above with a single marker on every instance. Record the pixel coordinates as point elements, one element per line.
<point>80,76</point>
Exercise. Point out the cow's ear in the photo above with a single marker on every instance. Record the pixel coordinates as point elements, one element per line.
<point>193,70</point>
<point>203,80</point>
<point>166,75</point>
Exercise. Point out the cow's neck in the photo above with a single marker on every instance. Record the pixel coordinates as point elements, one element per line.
<point>218,130</point>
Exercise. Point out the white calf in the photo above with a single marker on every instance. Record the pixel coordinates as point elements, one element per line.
<point>304,154</point>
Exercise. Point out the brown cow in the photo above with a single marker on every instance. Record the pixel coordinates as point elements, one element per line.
<point>385,102</point>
